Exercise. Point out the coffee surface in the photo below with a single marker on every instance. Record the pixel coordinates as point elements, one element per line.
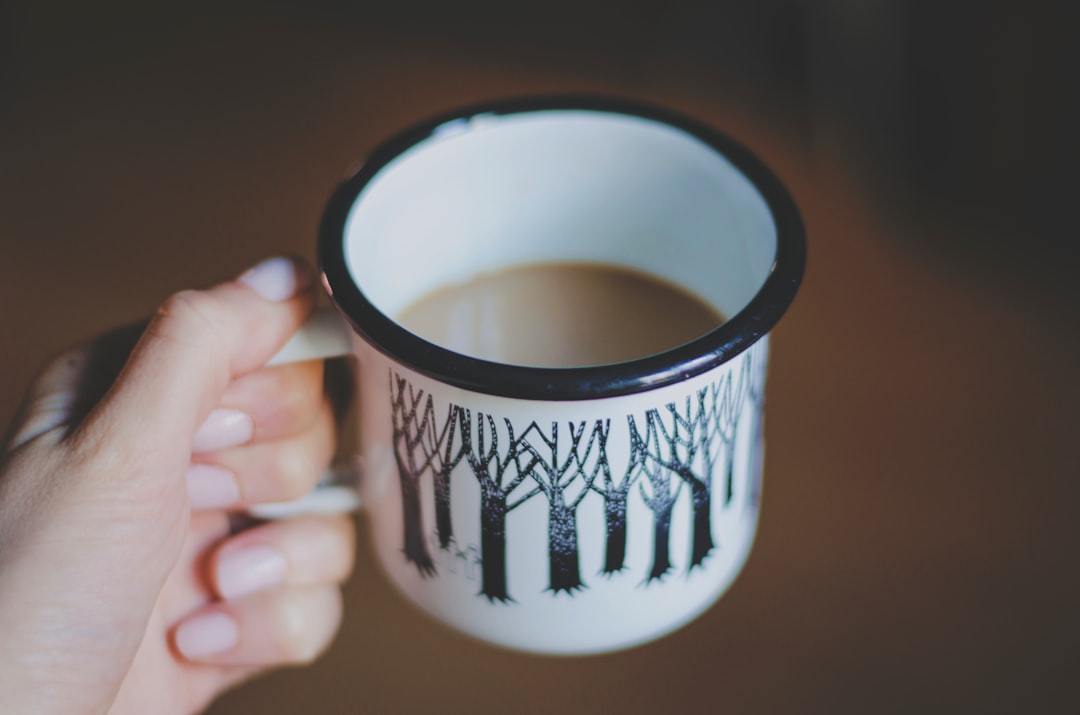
<point>560,315</point>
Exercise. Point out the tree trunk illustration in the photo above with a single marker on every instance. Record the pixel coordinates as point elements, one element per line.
<point>729,408</point>
<point>556,474</point>
<point>702,435</point>
<point>690,446</point>
<point>615,497</point>
<point>729,475</point>
<point>702,514</point>
<point>493,545</point>
<point>564,569</point>
<point>446,459</point>
<point>661,541</point>
<point>421,447</point>
<point>499,474</point>
<point>415,547</point>
<point>443,526</point>
<point>615,519</point>
<point>660,497</point>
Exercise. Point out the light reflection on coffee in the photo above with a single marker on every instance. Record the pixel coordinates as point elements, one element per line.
<point>560,315</point>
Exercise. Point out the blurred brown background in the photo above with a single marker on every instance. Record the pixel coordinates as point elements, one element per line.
<point>918,543</point>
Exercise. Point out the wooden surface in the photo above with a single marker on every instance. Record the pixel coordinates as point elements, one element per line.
<point>918,542</point>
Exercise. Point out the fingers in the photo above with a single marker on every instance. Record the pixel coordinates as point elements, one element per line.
<point>259,472</point>
<point>295,552</point>
<point>280,401</point>
<point>281,627</point>
<point>198,342</point>
<point>270,439</point>
<point>279,588</point>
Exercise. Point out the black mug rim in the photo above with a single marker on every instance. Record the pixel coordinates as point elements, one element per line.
<point>729,339</point>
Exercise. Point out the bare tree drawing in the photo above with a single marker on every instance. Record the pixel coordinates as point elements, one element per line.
<point>421,446</point>
<point>756,394</point>
<point>444,458</point>
<point>660,497</point>
<point>498,473</point>
<point>556,477</point>
<point>685,444</point>
<point>728,398</point>
<point>688,453</point>
<point>701,430</point>
<point>616,495</point>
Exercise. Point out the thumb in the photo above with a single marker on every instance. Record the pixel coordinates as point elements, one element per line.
<point>192,348</point>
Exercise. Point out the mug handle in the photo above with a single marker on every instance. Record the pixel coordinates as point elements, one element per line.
<point>324,335</point>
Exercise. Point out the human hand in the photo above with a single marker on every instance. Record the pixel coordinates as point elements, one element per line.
<point>122,589</point>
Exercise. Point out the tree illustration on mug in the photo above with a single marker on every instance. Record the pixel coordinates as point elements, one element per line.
<point>422,446</point>
<point>684,447</point>
<point>565,480</point>
<point>499,474</point>
<point>689,444</point>
<point>616,495</point>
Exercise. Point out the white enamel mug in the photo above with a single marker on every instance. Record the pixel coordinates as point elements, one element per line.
<point>560,510</point>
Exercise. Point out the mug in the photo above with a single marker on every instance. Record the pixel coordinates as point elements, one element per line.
<point>572,510</point>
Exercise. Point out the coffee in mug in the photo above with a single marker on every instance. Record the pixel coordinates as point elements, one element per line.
<point>560,315</point>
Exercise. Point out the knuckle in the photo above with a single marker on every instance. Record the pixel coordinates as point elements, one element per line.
<point>184,315</point>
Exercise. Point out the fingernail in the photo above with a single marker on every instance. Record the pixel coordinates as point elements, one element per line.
<point>248,570</point>
<point>206,634</point>
<point>223,428</point>
<point>275,279</point>
<point>211,487</point>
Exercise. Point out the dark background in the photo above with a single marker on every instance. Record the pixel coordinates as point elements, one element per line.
<point>918,543</point>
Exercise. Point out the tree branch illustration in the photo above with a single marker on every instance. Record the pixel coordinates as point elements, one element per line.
<point>499,474</point>
<point>690,458</point>
<point>616,493</point>
<point>441,452</point>
<point>729,398</point>
<point>411,415</point>
<point>554,473</point>
<point>702,432</point>
<point>659,497</point>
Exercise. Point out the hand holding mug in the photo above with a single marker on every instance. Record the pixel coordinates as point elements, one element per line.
<point>122,589</point>
<point>554,508</point>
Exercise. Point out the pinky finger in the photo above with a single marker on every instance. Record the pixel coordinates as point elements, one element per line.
<point>287,626</point>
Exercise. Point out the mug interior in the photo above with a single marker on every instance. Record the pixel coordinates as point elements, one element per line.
<point>562,179</point>
<point>492,191</point>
